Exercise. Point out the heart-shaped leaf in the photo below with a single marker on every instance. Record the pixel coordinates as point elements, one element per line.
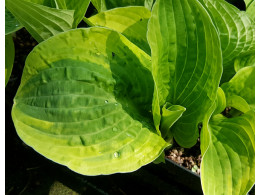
<point>84,102</point>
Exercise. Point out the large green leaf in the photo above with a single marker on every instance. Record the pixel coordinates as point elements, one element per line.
<point>103,5</point>
<point>236,31</point>
<point>79,6</point>
<point>130,21</point>
<point>228,165</point>
<point>9,57</point>
<point>11,24</point>
<point>240,90</point>
<point>186,63</point>
<point>84,102</point>
<point>41,21</point>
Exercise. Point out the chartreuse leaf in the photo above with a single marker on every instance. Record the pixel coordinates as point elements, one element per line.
<point>84,102</point>
<point>170,114</point>
<point>130,21</point>
<point>228,165</point>
<point>100,5</point>
<point>11,24</point>
<point>250,8</point>
<point>186,63</point>
<point>103,5</point>
<point>79,6</point>
<point>240,90</point>
<point>220,102</point>
<point>9,57</point>
<point>236,31</point>
<point>40,21</point>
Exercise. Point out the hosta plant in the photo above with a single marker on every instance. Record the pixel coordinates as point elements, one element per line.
<point>111,98</point>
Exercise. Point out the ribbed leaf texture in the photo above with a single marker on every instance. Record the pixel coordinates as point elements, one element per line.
<point>84,102</point>
<point>236,30</point>
<point>228,165</point>
<point>186,63</point>
<point>130,21</point>
<point>40,21</point>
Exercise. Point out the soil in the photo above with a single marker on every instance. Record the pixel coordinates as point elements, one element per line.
<point>189,158</point>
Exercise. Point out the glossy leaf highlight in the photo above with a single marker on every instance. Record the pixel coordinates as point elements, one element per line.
<point>77,105</point>
<point>11,24</point>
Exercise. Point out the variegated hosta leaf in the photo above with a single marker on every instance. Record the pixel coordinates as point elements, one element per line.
<point>9,57</point>
<point>130,21</point>
<point>186,63</point>
<point>84,102</point>
<point>240,90</point>
<point>236,30</point>
<point>103,5</point>
<point>40,21</point>
<point>228,165</point>
<point>79,6</point>
<point>11,24</point>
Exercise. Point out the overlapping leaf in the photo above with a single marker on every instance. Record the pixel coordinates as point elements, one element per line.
<point>41,21</point>
<point>103,5</point>
<point>243,61</point>
<point>186,63</point>
<point>130,21</point>
<point>250,8</point>
<point>228,165</point>
<point>9,57</point>
<point>84,102</point>
<point>11,24</point>
<point>240,90</point>
<point>236,31</point>
<point>79,6</point>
